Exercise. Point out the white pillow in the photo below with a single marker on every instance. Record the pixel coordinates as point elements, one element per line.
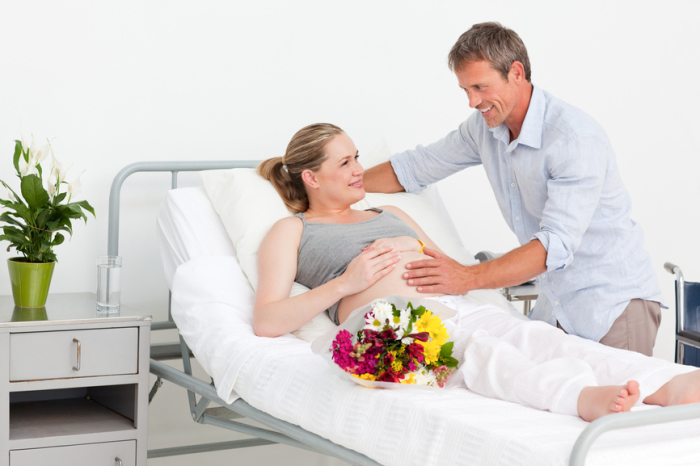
<point>188,227</point>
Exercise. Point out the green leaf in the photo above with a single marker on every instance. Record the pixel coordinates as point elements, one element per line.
<point>13,244</point>
<point>451,362</point>
<point>19,199</point>
<point>33,192</point>
<point>58,239</point>
<point>7,218</point>
<point>60,197</point>
<point>10,230</point>
<point>88,207</point>
<point>446,349</point>
<point>18,153</point>
<point>419,311</point>
<point>42,218</point>
<point>24,212</point>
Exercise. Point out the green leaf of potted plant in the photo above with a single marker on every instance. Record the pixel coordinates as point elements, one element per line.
<point>34,220</point>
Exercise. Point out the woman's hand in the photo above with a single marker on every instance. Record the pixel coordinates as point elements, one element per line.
<point>399,243</point>
<point>372,264</point>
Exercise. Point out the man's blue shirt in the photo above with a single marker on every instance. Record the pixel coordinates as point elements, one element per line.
<point>558,183</point>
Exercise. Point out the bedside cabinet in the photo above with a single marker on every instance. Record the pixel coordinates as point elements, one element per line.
<point>73,385</point>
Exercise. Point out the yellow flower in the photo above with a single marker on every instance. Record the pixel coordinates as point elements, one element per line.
<point>365,376</point>
<point>411,379</point>
<point>396,364</point>
<point>438,335</point>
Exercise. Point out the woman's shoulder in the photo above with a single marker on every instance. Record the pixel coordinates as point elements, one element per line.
<point>394,210</point>
<point>291,223</point>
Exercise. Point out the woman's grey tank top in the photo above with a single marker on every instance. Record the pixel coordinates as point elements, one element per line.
<point>326,249</point>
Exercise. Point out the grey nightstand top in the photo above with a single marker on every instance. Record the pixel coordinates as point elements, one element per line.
<point>63,308</point>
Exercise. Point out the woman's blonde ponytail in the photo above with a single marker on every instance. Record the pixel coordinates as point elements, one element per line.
<point>306,151</point>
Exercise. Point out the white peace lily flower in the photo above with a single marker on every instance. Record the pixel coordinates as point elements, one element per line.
<point>52,190</point>
<point>57,172</point>
<point>75,186</point>
<point>11,196</point>
<point>27,168</point>
<point>41,153</point>
<point>25,142</point>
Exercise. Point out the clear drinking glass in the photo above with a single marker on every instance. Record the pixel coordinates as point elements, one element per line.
<point>109,284</point>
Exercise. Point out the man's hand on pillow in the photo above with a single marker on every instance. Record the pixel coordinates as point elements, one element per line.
<point>439,275</point>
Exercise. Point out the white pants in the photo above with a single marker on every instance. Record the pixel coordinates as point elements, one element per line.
<point>537,365</point>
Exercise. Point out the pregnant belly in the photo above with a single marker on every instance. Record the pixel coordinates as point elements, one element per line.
<point>390,284</point>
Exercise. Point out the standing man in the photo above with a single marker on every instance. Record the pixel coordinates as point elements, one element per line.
<point>557,184</point>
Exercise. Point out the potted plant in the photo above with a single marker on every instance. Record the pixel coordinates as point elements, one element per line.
<point>34,220</point>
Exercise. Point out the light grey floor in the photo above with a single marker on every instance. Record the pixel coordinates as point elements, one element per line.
<point>170,424</point>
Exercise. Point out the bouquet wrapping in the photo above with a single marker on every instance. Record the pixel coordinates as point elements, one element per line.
<point>392,342</point>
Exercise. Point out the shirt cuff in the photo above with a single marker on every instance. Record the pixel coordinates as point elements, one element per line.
<point>405,176</point>
<point>558,257</point>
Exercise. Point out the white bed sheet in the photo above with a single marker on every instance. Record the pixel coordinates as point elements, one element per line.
<point>282,377</point>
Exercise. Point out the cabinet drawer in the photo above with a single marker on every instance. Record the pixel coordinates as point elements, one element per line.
<point>55,355</point>
<point>94,454</point>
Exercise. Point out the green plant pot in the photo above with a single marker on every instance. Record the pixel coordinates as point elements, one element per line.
<point>30,281</point>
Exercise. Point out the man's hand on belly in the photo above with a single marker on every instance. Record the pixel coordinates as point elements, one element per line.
<point>445,275</point>
<point>439,275</point>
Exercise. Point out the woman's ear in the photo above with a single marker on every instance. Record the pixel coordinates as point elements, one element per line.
<point>309,178</point>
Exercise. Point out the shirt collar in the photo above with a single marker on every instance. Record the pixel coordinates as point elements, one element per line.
<point>531,132</point>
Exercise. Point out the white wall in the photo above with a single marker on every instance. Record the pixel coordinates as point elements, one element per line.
<point>120,82</point>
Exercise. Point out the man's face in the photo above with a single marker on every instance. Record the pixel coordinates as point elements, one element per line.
<point>488,92</point>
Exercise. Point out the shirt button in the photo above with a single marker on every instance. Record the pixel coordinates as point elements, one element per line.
<point>517,219</point>
<point>556,303</point>
<point>512,185</point>
<point>543,275</point>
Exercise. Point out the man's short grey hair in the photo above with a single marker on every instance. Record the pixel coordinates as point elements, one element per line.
<point>491,41</point>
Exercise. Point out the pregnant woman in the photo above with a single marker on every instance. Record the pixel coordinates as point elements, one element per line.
<point>350,257</point>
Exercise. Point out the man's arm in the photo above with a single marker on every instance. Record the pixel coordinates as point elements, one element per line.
<point>381,179</point>
<point>445,275</point>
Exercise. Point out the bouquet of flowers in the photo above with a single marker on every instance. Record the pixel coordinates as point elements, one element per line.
<point>398,344</point>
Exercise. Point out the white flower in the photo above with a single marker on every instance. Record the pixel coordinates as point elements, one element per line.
<point>35,156</point>
<point>57,172</point>
<point>424,376</point>
<point>41,153</point>
<point>27,168</point>
<point>402,323</point>
<point>52,190</point>
<point>377,317</point>
<point>75,186</point>
<point>11,196</point>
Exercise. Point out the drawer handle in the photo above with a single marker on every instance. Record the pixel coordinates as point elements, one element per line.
<point>118,461</point>
<point>77,368</point>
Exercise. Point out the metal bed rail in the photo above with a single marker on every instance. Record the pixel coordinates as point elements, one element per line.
<point>288,433</point>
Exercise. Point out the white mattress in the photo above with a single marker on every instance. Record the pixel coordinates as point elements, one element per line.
<point>212,306</point>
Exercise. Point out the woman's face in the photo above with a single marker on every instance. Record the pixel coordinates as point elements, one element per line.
<point>339,180</point>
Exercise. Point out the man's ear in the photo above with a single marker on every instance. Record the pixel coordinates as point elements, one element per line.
<point>517,72</point>
<point>309,178</point>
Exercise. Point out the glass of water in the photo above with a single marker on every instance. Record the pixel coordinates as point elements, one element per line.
<point>109,284</point>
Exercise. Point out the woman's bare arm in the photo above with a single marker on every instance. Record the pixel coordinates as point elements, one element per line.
<point>275,313</point>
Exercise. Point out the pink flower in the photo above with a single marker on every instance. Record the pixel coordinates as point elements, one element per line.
<point>342,348</point>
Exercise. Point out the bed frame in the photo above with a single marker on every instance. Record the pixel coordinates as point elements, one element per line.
<point>284,432</point>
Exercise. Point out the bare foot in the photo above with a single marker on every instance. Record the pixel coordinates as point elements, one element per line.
<point>595,402</point>
<point>681,389</point>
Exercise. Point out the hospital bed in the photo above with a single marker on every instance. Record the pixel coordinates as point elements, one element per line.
<point>276,381</point>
